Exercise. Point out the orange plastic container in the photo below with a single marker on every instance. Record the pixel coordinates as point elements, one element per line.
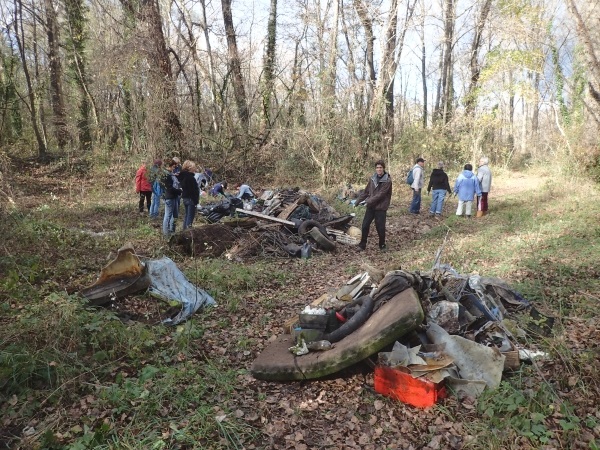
<point>402,386</point>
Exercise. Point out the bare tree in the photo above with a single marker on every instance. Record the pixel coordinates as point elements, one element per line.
<point>367,23</point>
<point>474,65</point>
<point>447,66</point>
<point>235,67</point>
<point>587,20</point>
<point>31,104</point>
<point>56,86</point>
<point>269,65</point>
<point>76,49</point>
<point>148,12</point>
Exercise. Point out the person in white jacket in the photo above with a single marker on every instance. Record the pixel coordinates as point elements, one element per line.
<point>417,186</point>
<point>484,175</point>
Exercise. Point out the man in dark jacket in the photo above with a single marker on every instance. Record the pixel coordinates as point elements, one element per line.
<point>377,197</point>
<point>438,181</point>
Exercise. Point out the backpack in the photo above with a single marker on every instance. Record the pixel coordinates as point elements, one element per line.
<point>176,183</point>
<point>410,178</point>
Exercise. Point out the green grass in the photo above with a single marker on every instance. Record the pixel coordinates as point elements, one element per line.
<point>84,379</point>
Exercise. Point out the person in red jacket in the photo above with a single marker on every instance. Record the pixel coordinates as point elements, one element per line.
<point>376,197</point>
<point>143,187</point>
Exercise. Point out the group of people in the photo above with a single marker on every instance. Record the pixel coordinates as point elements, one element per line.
<point>377,194</point>
<point>467,185</point>
<point>175,182</point>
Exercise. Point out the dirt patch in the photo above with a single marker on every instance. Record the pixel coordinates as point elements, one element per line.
<point>207,240</point>
<point>142,308</point>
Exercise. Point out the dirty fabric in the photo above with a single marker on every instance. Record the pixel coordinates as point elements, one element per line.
<point>474,361</point>
<point>393,283</point>
<point>170,284</point>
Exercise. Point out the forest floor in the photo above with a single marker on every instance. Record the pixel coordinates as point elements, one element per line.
<point>135,384</point>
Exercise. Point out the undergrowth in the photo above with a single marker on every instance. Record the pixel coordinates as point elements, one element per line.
<point>77,377</point>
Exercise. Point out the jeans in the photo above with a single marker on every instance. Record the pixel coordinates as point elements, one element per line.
<point>190,212</point>
<point>176,208</point>
<point>415,205</point>
<point>379,217</point>
<point>169,220</point>
<point>437,202</point>
<point>145,195</point>
<point>155,205</point>
<point>462,205</point>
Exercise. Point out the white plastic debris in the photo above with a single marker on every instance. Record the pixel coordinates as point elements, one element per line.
<point>530,355</point>
<point>318,311</point>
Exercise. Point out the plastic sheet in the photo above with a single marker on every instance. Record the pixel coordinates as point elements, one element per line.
<point>170,284</point>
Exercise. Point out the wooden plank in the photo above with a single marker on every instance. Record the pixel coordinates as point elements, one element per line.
<point>288,210</point>
<point>264,216</point>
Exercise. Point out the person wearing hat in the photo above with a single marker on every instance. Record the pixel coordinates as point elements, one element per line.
<point>376,196</point>
<point>417,186</point>
<point>484,175</point>
<point>438,181</point>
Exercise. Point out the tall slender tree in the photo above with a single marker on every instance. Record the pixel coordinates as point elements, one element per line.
<point>235,66</point>
<point>32,100</point>
<point>269,65</point>
<point>61,130</point>
<point>77,39</point>
<point>474,64</point>
<point>148,13</point>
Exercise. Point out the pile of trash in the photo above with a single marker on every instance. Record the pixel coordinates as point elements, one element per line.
<point>283,223</point>
<point>127,274</point>
<point>467,339</point>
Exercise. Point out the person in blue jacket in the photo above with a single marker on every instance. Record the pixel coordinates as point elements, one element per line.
<point>158,188</point>
<point>219,189</point>
<point>245,192</point>
<point>466,187</point>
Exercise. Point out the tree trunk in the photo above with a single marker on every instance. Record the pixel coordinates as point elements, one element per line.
<point>78,37</point>
<point>471,98</point>
<point>31,106</point>
<point>367,24</point>
<point>148,11</point>
<point>447,69</point>
<point>61,130</point>
<point>588,23</point>
<point>536,105</point>
<point>234,64</point>
<point>191,43</point>
<point>423,65</point>
<point>333,56</point>
<point>269,65</point>
<point>511,111</point>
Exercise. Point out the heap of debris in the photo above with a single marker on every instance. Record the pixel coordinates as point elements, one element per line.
<point>283,223</point>
<point>439,327</point>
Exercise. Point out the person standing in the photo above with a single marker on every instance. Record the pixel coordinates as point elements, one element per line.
<point>172,193</point>
<point>484,175</point>
<point>176,171</point>
<point>190,192</point>
<point>143,187</point>
<point>438,181</point>
<point>156,177</point>
<point>376,196</point>
<point>417,186</point>
<point>466,186</point>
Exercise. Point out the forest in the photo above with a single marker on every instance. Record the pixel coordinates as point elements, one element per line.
<point>257,88</point>
<point>293,94</point>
